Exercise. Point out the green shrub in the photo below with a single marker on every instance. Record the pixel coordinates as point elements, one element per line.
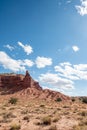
<point>15,127</point>
<point>8,115</point>
<point>83,113</point>
<point>56,119</point>
<point>84,99</point>
<point>24,112</point>
<point>42,105</point>
<point>46,120</point>
<point>53,127</point>
<point>80,127</point>
<point>26,118</point>
<point>13,100</point>
<point>58,99</point>
<point>73,99</point>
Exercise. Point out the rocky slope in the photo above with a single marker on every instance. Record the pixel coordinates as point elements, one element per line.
<point>24,85</point>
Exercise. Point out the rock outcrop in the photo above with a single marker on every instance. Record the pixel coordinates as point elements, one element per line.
<point>12,83</point>
<point>24,85</point>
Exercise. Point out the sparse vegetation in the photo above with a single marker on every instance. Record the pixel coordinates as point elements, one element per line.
<point>73,99</point>
<point>43,115</point>
<point>46,120</point>
<point>81,126</point>
<point>56,119</point>
<point>8,115</point>
<point>84,99</point>
<point>24,112</point>
<point>42,105</point>
<point>58,99</point>
<point>26,118</point>
<point>13,100</point>
<point>15,127</point>
<point>83,113</point>
<point>53,127</point>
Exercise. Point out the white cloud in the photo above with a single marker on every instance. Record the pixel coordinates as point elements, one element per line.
<point>55,81</point>
<point>27,48</point>
<point>65,63</point>
<point>9,47</point>
<point>26,62</point>
<point>72,72</point>
<point>9,63</point>
<point>75,48</point>
<point>82,9</point>
<point>14,65</point>
<point>64,77</point>
<point>42,62</point>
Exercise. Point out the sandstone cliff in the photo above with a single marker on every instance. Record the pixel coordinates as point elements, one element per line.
<point>24,85</point>
<point>11,83</point>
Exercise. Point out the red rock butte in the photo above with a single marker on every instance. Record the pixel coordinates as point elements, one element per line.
<point>25,85</point>
<point>18,81</point>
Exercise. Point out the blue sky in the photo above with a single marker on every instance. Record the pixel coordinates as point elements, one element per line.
<point>48,38</point>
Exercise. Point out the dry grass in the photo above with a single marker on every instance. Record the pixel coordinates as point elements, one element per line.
<point>36,114</point>
<point>46,120</point>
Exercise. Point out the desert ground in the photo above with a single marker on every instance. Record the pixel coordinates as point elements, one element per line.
<point>23,113</point>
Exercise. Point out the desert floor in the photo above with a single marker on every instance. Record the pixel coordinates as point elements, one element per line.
<point>35,114</point>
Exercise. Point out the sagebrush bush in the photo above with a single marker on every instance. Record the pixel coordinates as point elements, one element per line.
<point>15,127</point>
<point>73,99</point>
<point>8,115</point>
<point>58,99</point>
<point>83,113</point>
<point>53,127</point>
<point>13,100</point>
<point>46,120</point>
<point>26,118</point>
<point>84,99</point>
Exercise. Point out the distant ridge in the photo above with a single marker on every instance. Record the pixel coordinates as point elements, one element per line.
<point>25,85</point>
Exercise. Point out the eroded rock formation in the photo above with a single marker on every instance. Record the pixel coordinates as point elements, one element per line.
<point>24,85</point>
<point>17,82</point>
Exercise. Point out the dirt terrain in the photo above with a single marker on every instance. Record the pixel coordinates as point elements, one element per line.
<point>29,113</point>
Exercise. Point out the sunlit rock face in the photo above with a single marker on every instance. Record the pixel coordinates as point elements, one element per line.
<point>25,85</point>
<point>17,82</point>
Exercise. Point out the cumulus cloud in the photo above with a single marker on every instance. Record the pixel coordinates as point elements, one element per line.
<point>8,63</point>
<point>72,72</point>
<point>55,81</point>
<point>9,47</point>
<point>64,77</point>
<point>75,48</point>
<point>82,9</point>
<point>26,62</point>
<point>27,48</point>
<point>42,62</point>
<point>14,65</point>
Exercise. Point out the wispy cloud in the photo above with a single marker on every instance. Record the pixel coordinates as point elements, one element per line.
<point>9,47</point>
<point>82,9</point>
<point>27,48</point>
<point>42,62</point>
<point>64,76</point>
<point>56,81</point>
<point>26,62</point>
<point>14,65</point>
<point>8,63</point>
<point>75,48</point>
<point>72,72</point>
